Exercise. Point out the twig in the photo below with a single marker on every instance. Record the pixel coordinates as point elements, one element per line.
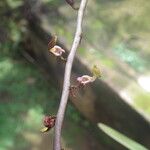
<point>66,85</point>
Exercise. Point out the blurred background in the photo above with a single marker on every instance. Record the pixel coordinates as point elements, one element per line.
<point>116,37</point>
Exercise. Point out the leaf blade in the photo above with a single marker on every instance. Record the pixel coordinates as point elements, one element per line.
<point>120,138</point>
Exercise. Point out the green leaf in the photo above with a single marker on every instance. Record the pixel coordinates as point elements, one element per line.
<point>14,3</point>
<point>96,72</point>
<point>120,138</point>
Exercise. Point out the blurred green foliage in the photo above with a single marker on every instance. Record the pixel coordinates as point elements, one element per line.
<point>142,101</point>
<point>131,57</point>
<point>23,100</point>
<point>25,96</point>
<point>11,26</point>
<point>14,3</point>
<point>13,23</point>
<point>120,138</point>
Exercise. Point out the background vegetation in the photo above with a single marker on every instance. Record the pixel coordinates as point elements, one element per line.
<point>116,37</point>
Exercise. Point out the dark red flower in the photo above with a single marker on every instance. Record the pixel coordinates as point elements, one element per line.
<point>49,121</point>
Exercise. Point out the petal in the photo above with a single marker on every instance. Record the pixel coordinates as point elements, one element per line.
<point>52,42</point>
<point>55,52</point>
<point>85,79</point>
<point>45,129</point>
<point>58,48</point>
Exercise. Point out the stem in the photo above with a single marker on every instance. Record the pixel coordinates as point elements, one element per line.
<point>66,85</point>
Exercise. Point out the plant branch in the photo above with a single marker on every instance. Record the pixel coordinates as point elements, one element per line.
<point>66,85</point>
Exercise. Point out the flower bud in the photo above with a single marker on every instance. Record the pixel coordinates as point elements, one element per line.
<point>49,122</point>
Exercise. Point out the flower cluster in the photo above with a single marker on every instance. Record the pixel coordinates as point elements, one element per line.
<point>82,81</point>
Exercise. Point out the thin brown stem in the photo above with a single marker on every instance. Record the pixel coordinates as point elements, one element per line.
<point>66,85</point>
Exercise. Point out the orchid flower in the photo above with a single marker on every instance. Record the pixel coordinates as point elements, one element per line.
<point>55,49</point>
<point>85,79</point>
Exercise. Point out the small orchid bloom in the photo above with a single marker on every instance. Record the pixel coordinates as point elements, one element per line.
<point>85,79</point>
<point>57,50</point>
<point>49,122</point>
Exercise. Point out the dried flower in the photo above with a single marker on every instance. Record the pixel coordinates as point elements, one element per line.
<point>49,122</point>
<point>85,79</point>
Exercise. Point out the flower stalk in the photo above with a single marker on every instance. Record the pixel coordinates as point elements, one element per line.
<point>66,84</point>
